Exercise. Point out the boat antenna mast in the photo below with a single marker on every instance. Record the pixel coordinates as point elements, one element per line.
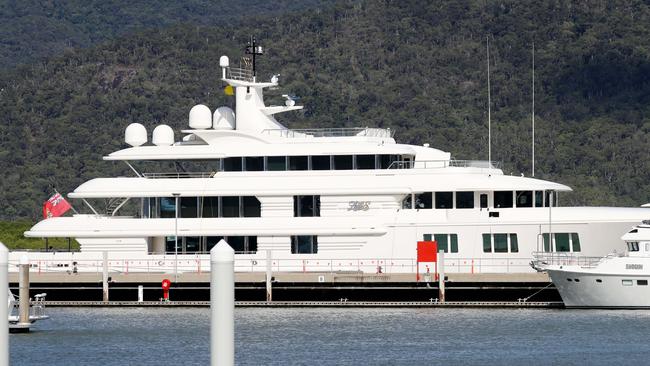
<point>253,49</point>
<point>487,42</point>
<point>533,114</point>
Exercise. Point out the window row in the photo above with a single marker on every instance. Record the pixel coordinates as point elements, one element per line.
<point>562,242</point>
<point>308,162</point>
<point>203,244</point>
<point>191,207</point>
<point>446,242</point>
<point>500,243</point>
<point>466,199</point>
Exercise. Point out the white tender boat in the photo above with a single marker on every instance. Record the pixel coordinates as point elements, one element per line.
<point>335,199</point>
<point>619,280</point>
<point>36,309</point>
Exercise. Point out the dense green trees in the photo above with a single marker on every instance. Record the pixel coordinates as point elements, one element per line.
<point>417,67</point>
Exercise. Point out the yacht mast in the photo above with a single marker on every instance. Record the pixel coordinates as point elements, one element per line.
<point>533,114</point>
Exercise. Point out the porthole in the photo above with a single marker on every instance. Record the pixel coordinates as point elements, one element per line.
<point>599,280</point>
<point>577,280</point>
<point>570,280</point>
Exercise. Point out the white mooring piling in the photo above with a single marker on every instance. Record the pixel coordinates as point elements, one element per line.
<point>23,293</point>
<point>4,311</point>
<point>222,305</point>
<point>441,276</point>
<point>105,276</point>
<point>269,277</point>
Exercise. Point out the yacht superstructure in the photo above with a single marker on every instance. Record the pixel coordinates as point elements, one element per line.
<point>320,198</point>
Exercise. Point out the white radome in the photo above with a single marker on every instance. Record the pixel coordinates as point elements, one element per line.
<point>135,134</point>
<point>224,119</point>
<point>200,117</point>
<point>163,135</point>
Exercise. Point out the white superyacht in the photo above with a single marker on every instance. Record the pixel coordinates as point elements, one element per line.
<point>333,199</point>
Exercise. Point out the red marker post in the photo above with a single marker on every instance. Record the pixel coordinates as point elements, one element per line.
<point>166,284</point>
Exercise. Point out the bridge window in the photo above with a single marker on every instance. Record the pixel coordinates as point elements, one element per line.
<point>254,163</point>
<point>386,160</point>
<point>320,162</point>
<point>465,199</point>
<point>365,161</point>
<point>539,199</point>
<point>306,206</point>
<point>633,246</point>
<point>524,198</point>
<point>547,199</point>
<point>444,200</point>
<point>304,244</point>
<point>298,163</point>
<point>424,200</point>
<point>276,163</point>
<point>502,199</point>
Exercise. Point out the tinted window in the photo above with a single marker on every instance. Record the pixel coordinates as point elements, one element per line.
<point>562,242</point>
<point>524,198</point>
<point>304,244</point>
<point>465,199</point>
<point>502,199</point>
<point>210,206</point>
<point>575,241</point>
<point>251,206</point>
<point>444,200</point>
<point>232,164</point>
<point>454,242</point>
<point>189,207</point>
<point>320,162</point>
<point>500,243</point>
<point>276,163</point>
<point>484,200</point>
<point>539,198</point>
<point>230,206</point>
<point>487,243</point>
<point>342,162</point>
<point>386,160</point>
<point>441,239</point>
<point>514,244</point>
<point>167,207</point>
<point>424,200</point>
<point>298,163</point>
<point>254,163</point>
<point>365,161</point>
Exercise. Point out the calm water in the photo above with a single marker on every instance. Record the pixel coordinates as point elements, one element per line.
<point>130,336</point>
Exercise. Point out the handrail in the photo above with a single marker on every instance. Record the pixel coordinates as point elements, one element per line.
<point>332,132</point>
<point>542,259</point>
<point>179,175</point>
<point>236,73</point>
<point>430,164</point>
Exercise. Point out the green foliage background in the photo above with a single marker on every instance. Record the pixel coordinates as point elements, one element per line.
<point>416,67</point>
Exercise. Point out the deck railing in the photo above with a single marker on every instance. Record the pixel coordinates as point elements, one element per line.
<point>179,175</point>
<point>236,73</point>
<point>430,164</point>
<point>542,259</point>
<point>331,132</point>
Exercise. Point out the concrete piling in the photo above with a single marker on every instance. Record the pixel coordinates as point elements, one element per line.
<point>4,311</point>
<point>105,276</point>
<point>222,305</point>
<point>23,293</point>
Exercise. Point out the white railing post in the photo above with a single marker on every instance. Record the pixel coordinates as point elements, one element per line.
<point>222,305</point>
<point>4,311</point>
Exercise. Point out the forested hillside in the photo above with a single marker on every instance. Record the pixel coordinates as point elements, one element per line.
<point>417,67</point>
<point>33,29</point>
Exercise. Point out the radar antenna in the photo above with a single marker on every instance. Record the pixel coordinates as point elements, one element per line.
<point>253,49</point>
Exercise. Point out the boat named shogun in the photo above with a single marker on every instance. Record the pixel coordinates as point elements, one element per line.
<point>321,200</point>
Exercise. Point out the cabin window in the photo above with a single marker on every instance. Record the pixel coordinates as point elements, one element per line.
<point>320,162</point>
<point>211,241</point>
<point>304,244</point>
<point>444,200</point>
<point>633,246</point>
<point>500,243</point>
<point>365,161</point>
<point>254,163</point>
<point>276,163</point>
<point>298,163</point>
<point>424,200</point>
<point>232,164</point>
<point>210,207</point>
<point>642,282</point>
<point>189,207</point>
<point>191,244</point>
<point>524,198</point>
<point>342,162</point>
<point>306,206</point>
<point>230,207</point>
<point>169,244</point>
<point>502,199</point>
<point>547,199</point>
<point>465,199</point>
<point>252,207</point>
<point>484,200</point>
<point>626,282</point>
<point>562,242</point>
<point>240,244</point>
<point>539,199</point>
<point>446,242</point>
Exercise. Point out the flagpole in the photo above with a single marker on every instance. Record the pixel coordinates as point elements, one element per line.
<point>71,207</point>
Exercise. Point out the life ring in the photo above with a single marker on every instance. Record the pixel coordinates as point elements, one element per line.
<point>161,263</point>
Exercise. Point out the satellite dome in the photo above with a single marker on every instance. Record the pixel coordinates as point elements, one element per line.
<point>135,134</point>
<point>200,117</point>
<point>224,119</point>
<point>163,135</point>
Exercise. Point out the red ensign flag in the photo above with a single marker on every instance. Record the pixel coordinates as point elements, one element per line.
<point>55,206</point>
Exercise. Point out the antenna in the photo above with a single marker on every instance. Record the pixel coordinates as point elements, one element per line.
<point>487,42</point>
<point>253,49</point>
<point>533,113</point>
